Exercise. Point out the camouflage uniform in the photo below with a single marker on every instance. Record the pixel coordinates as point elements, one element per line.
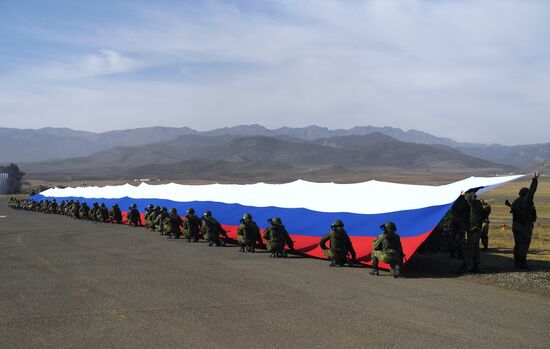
<point>75,210</point>
<point>61,208</point>
<point>191,226</point>
<point>248,233</point>
<point>152,217</point>
<point>103,213</point>
<point>475,222</point>
<point>93,211</point>
<point>172,224</point>
<point>53,206</point>
<point>133,216</point>
<point>147,216</point>
<point>212,229</point>
<point>524,216</point>
<point>459,212</point>
<point>277,238</point>
<point>85,211</point>
<point>485,227</point>
<point>387,248</point>
<point>340,245</point>
<point>158,223</point>
<point>115,215</point>
<point>68,208</point>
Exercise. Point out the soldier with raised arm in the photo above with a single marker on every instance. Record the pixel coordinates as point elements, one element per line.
<point>524,216</point>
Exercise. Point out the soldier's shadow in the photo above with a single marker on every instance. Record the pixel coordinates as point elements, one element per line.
<point>492,261</point>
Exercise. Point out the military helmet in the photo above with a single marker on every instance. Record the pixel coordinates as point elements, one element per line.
<point>338,223</point>
<point>247,217</point>
<point>276,220</point>
<point>157,208</point>
<point>191,211</point>
<point>173,210</point>
<point>134,205</point>
<point>207,213</point>
<point>150,206</point>
<point>164,209</point>
<point>115,205</point>
<point>389,226</point>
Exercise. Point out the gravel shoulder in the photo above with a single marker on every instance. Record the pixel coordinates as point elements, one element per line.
<point>496,270</point>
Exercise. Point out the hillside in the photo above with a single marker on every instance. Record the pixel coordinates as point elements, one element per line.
<point>198,156</point>
<point>25,145</point>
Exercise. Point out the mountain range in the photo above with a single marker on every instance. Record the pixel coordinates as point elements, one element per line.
<point>249,151</point>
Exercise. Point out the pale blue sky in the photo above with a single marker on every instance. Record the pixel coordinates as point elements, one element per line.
<point>469,70</point>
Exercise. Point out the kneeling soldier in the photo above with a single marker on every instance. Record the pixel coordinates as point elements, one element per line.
<point>387,248</point>
<point>212,229</point>
<point>277,238</point>
<point>340,245</point>
<point>248,233</point>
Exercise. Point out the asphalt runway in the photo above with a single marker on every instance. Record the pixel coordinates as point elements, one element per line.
<point>67,283</point>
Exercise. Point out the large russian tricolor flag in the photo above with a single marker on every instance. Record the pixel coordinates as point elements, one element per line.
<point>307,209</point>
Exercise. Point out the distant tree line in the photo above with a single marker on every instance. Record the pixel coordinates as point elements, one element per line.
<point>10,179</point>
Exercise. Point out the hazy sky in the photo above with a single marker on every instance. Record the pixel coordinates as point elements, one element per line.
<point>468,70</point>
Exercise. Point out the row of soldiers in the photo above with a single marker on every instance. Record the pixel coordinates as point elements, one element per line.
<point>386,248</point>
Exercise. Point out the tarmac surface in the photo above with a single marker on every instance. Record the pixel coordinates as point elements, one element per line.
<point>67,283</point>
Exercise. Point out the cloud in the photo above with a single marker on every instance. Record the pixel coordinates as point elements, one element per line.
<point>469,70</point>
<point>108,62</point>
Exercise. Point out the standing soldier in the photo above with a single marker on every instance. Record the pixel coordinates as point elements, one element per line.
<point>277,238</point>
<point>172,224</point>
<point>485,226</point>
<point>475,222</point>
<point>248,233</point>
<point>340,245</point>
<point>388,249</point>
<point>459,213</point>
<point>115,214</point>
<point>212,229</point>
<point>524,216</point>
<point>191,226</point>
<point>133,216</point>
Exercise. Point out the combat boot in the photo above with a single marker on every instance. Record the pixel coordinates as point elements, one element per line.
<point>374,272</point>
<point>241,249</point>
<point>397,271</point>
